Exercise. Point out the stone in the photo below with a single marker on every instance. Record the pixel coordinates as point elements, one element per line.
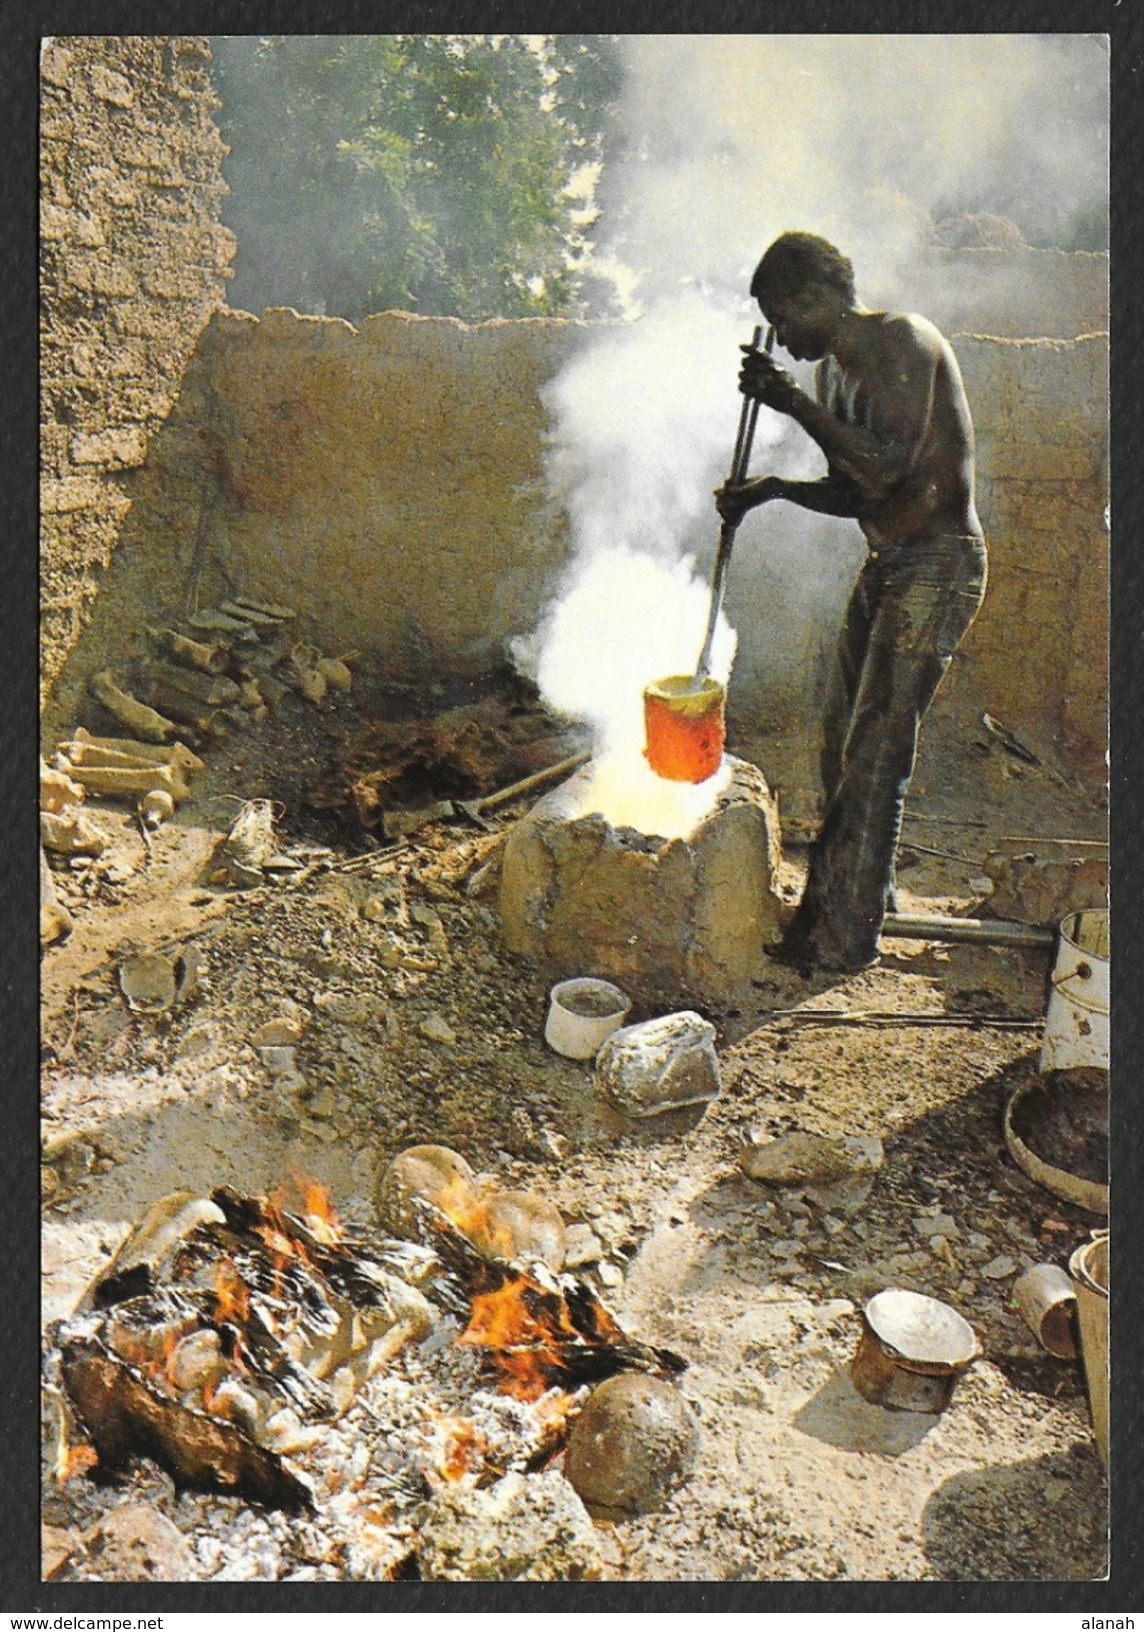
<point>516,1224</point>
<point>663,918</point>
<point>283,1031</point>
<point>634,1441</point>
<point>1044,885</point>
<point>811,1158</point>
<point>659,1065</point>
<point>433,1172</point>
<point>998,1269</point>
<point>581,1246</point>
<point>525,1527</point>
<point>135,1542</point>
<point>835,1173</point>
<point>436,1029</point>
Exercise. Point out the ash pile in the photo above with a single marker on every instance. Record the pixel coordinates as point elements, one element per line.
<point>441,1399</point>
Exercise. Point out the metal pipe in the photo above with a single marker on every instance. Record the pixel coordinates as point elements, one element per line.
<point>979,931</point>
<point>741,458</point>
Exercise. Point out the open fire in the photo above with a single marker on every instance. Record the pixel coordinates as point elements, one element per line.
<point>229,1338</point>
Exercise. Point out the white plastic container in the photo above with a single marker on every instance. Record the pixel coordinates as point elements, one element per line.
<point>582,1014</point>
<point>1076,1022</point>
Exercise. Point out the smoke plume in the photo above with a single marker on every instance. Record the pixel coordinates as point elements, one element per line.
<point>722,142</point>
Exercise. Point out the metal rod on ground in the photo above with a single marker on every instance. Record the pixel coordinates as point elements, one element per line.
<point>886,1017</point>
<point>740,460</point>
<point>979,931</point>
<point>475,808</point>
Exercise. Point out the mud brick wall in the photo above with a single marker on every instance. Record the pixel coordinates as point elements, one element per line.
<point>1016,292</point>
<point>1037,656</point>
<point>133,263</point>
<point>389,481</point>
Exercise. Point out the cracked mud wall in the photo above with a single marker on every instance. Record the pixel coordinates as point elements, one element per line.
<point>389,483</point>
<point>134,260</point>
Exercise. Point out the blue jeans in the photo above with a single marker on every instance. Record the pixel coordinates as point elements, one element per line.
<point>908,612</point>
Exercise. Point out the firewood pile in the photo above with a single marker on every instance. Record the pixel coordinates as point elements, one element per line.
<point>227,668</point>
<point>362,1385</point>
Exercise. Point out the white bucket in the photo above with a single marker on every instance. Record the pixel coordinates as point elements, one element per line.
<point>1088,1267</point>
<point>582,1014</point>
<point>1076,1024</point>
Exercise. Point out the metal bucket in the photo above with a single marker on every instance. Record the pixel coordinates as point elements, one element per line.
<point>1088,1267</point>
<point>1076,1023</point>
<point>685,727</point>
<point>912,1352</point>
<point>1045,1298</point>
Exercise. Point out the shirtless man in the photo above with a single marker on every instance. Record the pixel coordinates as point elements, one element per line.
<point>891,417</point>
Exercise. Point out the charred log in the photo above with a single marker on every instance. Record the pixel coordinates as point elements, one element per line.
<point>128,1417</point>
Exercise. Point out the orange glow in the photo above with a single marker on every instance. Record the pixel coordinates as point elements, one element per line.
<point>232,1296</point>
<point>73,1459</point>
<point>170,1346</point>
<point>460,1445</point>
<point>459,1202</point>
<point>317,1210</point>
<point>524,1341</point>
<point>683,746</point>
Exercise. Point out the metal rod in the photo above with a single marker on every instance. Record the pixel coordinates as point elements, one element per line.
<point>982,931</point>
<point>748,418</point>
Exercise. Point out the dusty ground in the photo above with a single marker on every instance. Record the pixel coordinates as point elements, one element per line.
<point>418,1027</point>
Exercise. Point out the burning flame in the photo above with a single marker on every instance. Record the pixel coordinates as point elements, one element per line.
<point>232,1296</point>
<point>458,1448</point>
<point>459,1203</point>
<point>318,1211</point>
<point>170,1349</point>
<point>523,1342</point>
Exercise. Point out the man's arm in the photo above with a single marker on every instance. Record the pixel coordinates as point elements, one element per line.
<point>899,380</point>
<point>833,495</point>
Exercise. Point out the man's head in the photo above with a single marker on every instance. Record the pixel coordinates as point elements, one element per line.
<point>804,286</point>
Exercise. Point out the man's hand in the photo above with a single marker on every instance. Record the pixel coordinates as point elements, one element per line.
<point>767,381</point>
<point>734,499</point>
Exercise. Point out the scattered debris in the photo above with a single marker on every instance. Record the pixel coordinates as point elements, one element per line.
<point>906,1017</point>
<point>1045,884</point>
<point>1008,741</point>
<point>129,711</point>
<point>55,920</point>
<point>749,1278</point>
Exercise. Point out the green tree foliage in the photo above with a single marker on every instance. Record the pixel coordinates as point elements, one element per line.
<point>422,172</point>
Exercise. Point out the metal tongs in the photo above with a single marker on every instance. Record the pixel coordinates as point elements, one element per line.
<point>739,463</point>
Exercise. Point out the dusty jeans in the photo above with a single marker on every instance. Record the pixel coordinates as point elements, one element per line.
<point>909,610</point>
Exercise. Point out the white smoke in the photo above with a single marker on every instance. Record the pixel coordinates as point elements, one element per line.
<point>723,142</point>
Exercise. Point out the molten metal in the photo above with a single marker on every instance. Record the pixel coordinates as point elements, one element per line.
<point>685,727</point>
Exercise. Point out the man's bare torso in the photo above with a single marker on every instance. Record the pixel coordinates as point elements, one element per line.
<point>901,383</point>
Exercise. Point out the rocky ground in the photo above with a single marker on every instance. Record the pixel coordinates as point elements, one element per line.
<point>413,1025</point>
